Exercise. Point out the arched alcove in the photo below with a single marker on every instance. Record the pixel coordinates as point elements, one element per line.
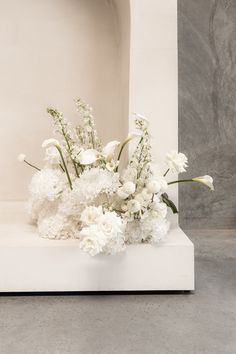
<point>51,52</point>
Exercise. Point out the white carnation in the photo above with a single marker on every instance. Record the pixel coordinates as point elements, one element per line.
<point>177,162</point>
<point>93,240</point>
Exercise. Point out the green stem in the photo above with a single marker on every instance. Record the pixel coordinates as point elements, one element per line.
<point>30,164</point>
<point>64,165</point>
<point>166,172</point>
<point>69,148</point>
<point>181,181</point>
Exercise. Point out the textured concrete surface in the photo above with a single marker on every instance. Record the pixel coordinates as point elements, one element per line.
<point>207,109</point>
<point>199,323</point>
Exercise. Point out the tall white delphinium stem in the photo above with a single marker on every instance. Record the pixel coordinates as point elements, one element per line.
<point>63,128</point>
<point>88,132</point>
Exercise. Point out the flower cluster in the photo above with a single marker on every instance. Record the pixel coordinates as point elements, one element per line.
<point>81,192</point>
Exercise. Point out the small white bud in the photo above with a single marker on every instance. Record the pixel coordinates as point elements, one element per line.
<point>21,157</point>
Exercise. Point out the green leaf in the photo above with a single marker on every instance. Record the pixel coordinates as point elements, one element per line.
<point>169,203</point>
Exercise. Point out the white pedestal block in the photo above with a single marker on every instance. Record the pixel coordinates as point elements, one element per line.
<point>29,263</point>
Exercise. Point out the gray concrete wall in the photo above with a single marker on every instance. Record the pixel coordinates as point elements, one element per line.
<point>207,110</point>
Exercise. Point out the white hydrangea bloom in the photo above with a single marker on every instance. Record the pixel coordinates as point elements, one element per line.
<point>151,230</point>
<point>57,226</point>
<point>158,228</point>
<point>158,209</point>
<point>177,162</point>
<point>95,181</point>
<point>47,184</point>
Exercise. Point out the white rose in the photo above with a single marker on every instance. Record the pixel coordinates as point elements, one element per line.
<point>153,186</point>
<point>128,188</point>
<point>90,215</point>
<point>92,240</point>
<point>110,224</point>
<point>133,206</point>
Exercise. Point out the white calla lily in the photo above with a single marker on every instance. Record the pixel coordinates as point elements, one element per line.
<point>50,142</point>
<point>207,180</point>
<point>109,148</point>
<point>133,135</point>
<point>88,157</point>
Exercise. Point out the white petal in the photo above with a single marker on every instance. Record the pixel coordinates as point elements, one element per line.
<point>207,180</point>
<point>133,135</point>
<point>50,142</point>
<point>110,148</point>
<point>88,156</point>
<point>141,117</point>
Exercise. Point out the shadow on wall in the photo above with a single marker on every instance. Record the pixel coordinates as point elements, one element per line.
<point>53,51</point>
<point>207,110</point>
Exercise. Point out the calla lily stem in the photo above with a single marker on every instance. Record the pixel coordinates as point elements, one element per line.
<point>181,181</point>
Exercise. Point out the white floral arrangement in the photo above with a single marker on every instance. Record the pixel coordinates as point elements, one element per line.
<point>82,192</point>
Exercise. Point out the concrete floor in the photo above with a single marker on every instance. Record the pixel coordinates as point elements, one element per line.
<point>199,323</point>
